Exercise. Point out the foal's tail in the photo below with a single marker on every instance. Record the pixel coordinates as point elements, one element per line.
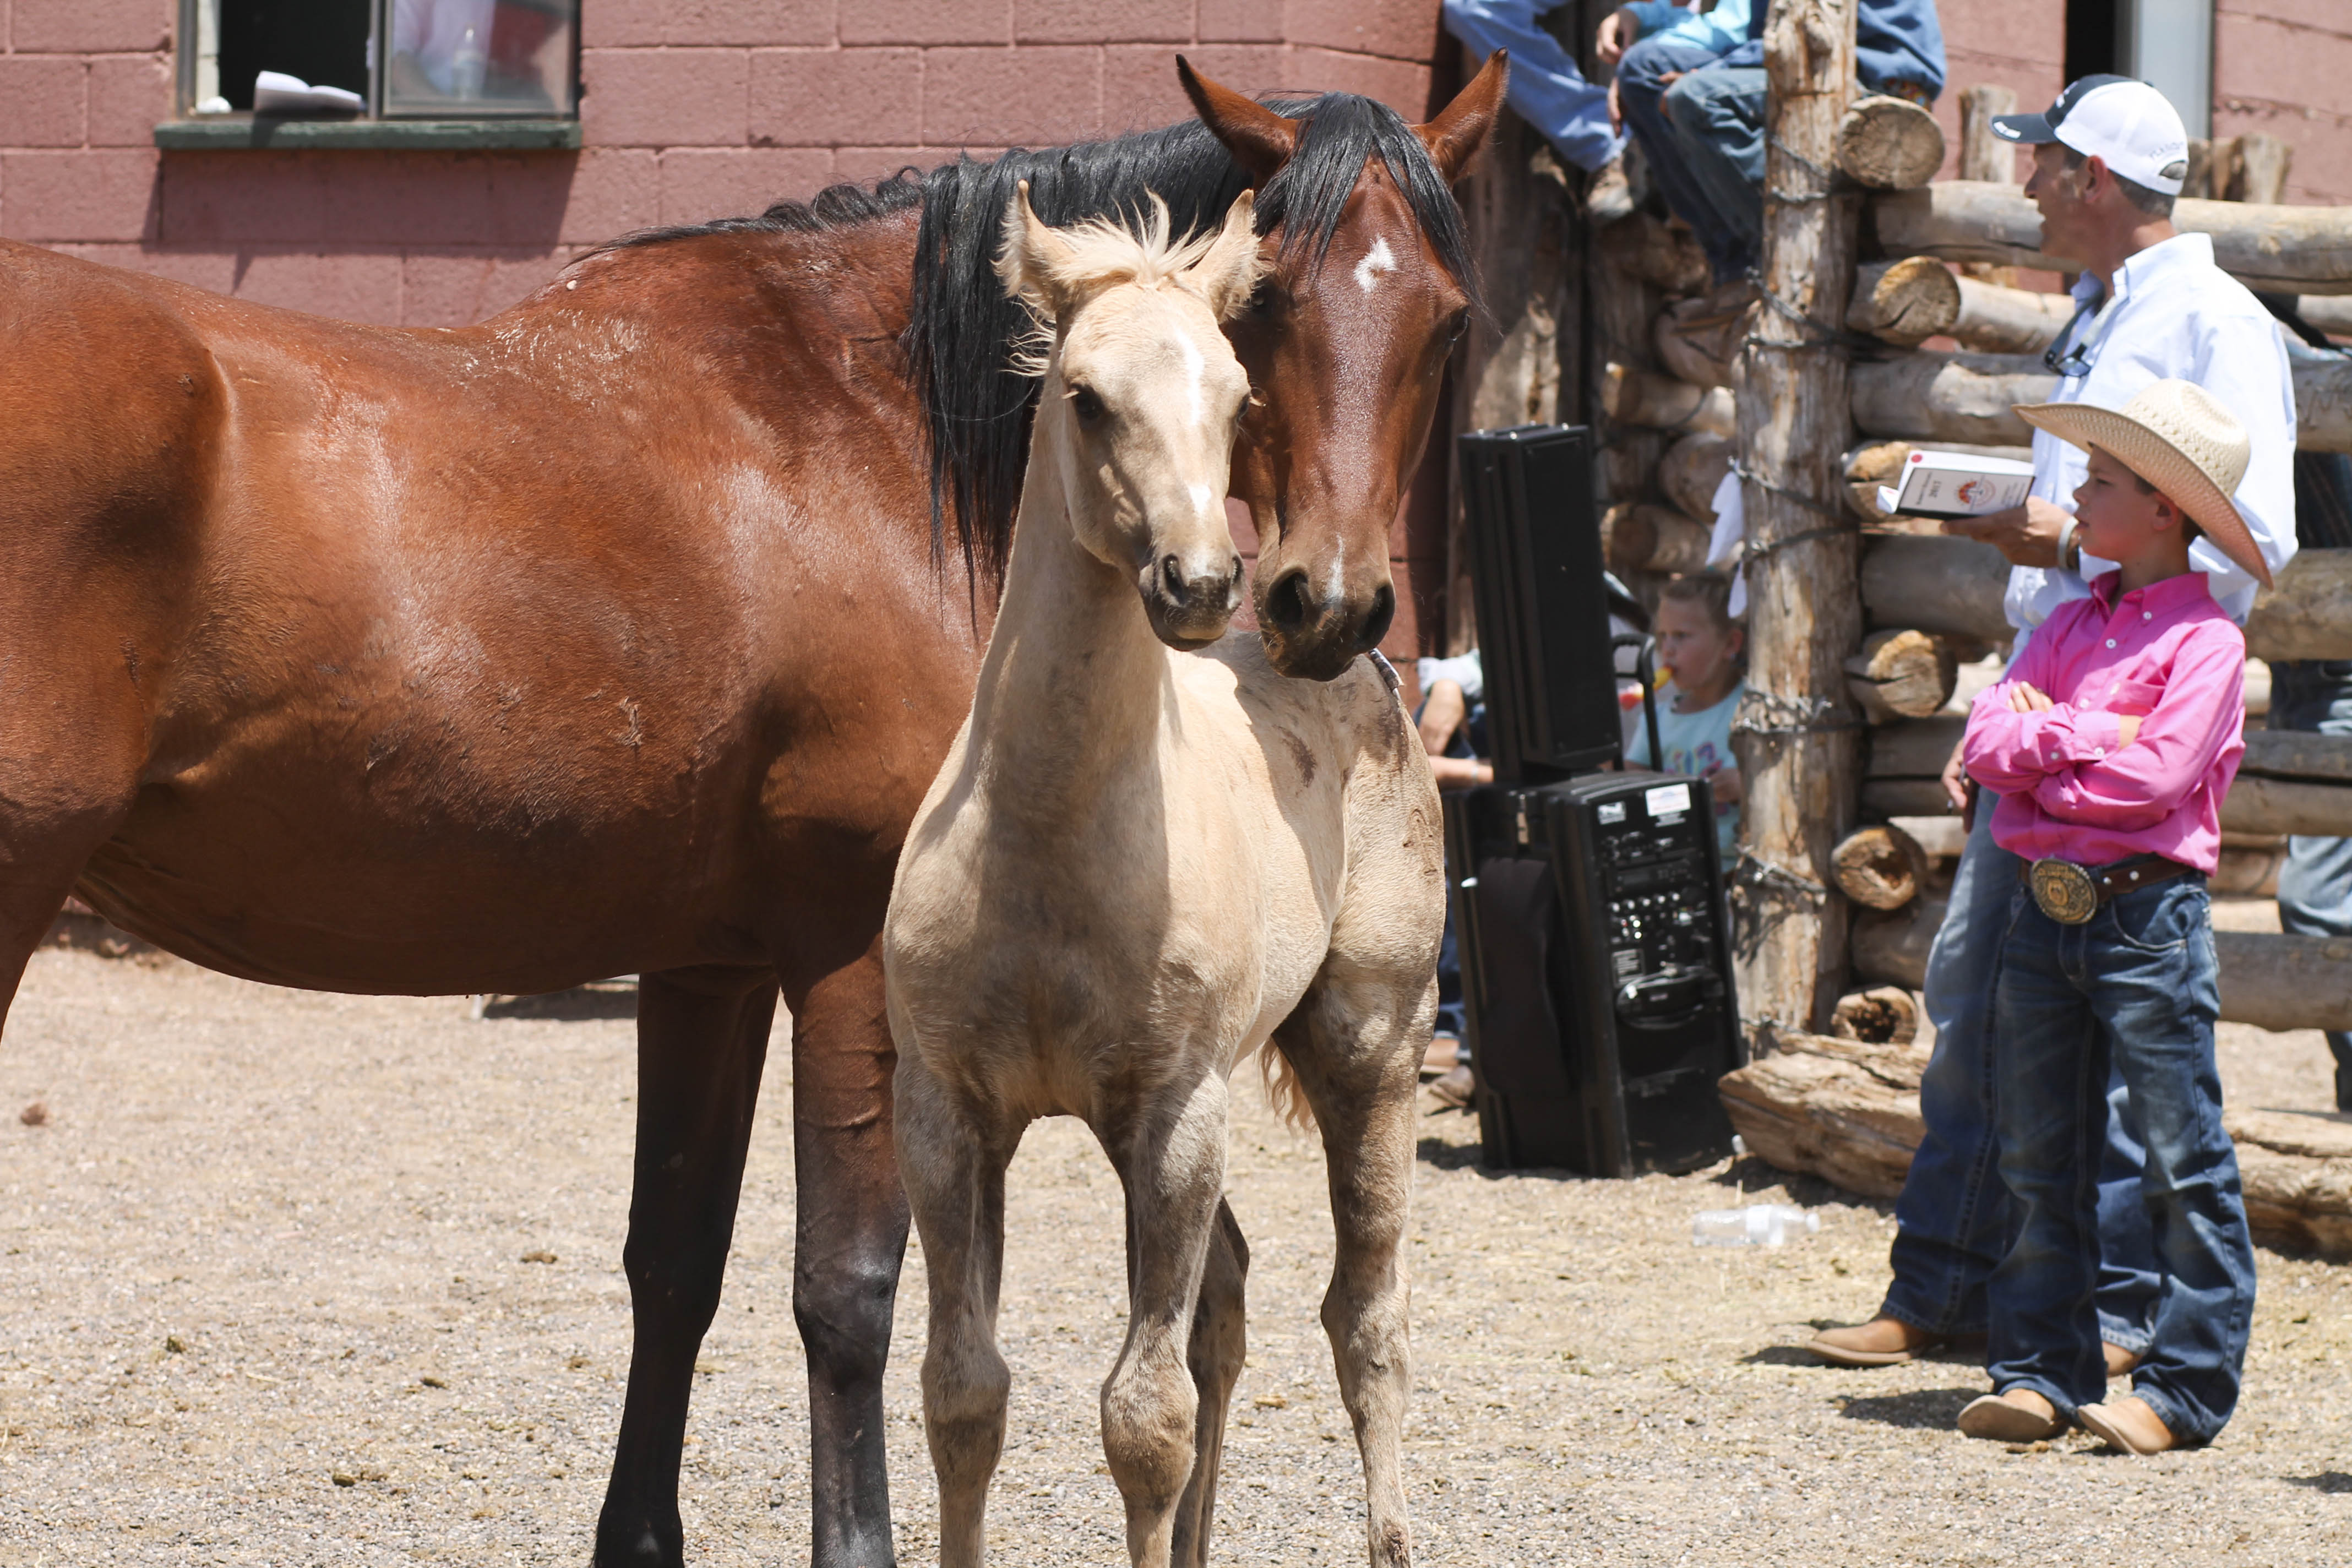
<point>1283,1090</point>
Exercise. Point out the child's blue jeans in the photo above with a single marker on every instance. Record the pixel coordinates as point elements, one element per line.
<point>2136,986</point>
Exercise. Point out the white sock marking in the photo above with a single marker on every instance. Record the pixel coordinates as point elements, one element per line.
<point>1376,260</point>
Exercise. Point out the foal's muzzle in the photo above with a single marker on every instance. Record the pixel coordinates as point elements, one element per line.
<point>1190,603</point>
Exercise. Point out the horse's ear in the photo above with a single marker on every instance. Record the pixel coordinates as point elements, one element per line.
<point>1228,274</point>
<point>1455,137</point>
<point>1030,262</point>
<point>1260,140</point>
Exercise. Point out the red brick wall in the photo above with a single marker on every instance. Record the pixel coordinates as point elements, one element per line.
<point>2018,44</point>
<point>691,110</point>
<point>2283,66</point>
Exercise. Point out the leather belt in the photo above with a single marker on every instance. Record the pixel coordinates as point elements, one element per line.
<point>2071,894</point>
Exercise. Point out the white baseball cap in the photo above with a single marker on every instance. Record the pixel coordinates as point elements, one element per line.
<point>2118,119</point>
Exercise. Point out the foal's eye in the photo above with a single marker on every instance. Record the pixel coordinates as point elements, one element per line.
<point>1086,406</point>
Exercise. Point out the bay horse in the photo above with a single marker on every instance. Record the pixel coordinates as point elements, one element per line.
<point>1137,868</point>
<point>617,635</point>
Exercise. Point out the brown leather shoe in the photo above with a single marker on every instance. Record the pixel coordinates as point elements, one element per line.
<point>2019,1416</point>
<point>1882,1341</point>
<point>2128,1424</point>
<point>2121,1363</point>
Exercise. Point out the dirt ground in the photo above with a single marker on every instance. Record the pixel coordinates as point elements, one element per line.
<point>295,1279</point>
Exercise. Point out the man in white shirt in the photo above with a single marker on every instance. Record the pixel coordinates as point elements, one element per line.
<point>2108,158</point>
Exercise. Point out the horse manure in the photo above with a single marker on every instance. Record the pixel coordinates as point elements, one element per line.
<point>174,1345</point>
<point>432,1382</point>
<point>35,1114</point>
<point>539,1255</point>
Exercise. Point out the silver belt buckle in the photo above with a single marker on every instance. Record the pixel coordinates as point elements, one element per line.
<point>2064,891</point>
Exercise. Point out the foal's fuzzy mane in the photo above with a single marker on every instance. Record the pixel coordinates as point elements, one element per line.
<point>1101,253</point>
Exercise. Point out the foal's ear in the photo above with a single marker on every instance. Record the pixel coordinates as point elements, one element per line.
<point>1260,140</point>
<point>1030,264</point>
<point>1455,137</point>
<point>1227,273</point>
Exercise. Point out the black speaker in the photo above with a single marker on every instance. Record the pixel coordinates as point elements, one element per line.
<point>1534,527</point>
<point>1596,971</point>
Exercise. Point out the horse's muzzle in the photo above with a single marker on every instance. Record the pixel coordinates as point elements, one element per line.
<point>1313,637</point>
<point>1190,607</point>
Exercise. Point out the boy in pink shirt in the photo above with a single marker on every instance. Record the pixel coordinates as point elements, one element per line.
<point>2111,743</point>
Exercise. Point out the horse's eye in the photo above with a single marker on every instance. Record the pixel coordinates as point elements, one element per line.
<point>1459,324</point>
<point>1086,406</point>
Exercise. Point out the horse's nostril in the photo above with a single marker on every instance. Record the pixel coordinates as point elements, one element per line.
<point>1171,577</point>
<point>1286,606</point>
<point>1376,623</point>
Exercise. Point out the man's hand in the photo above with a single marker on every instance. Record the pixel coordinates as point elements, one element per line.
<point>1619,30</point>
<point>1461,772</point>
<point>1616,109</point>
<point>1442,713</point>
<point>1723,782</point>
<point>2027,536</point>
<point>2026,698</point>
<point>2127,730</point>
<point>1957,782</point>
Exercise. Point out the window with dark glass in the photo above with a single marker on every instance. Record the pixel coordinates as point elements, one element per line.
<point>389,60</point>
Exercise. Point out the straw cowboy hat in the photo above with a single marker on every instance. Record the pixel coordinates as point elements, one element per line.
<point>2178,437</point>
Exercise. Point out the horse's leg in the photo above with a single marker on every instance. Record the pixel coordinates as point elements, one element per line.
<point>702,1038</point>
<point>954,1171</point>
<point>1218,1347</point>
<point>851,1228</point>
<point>1171,1159</point>
<point>1355,1042</point>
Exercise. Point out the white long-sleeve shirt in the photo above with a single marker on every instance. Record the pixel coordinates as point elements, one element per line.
<point>2173,314</point>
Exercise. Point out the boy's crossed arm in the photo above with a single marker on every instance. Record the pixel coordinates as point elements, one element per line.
<point>2091,765</point>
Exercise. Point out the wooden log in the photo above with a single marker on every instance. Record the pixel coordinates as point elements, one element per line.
<point>2248,873</point>
<point>2322,399</point>
<point>1803,619</point>
<point>1917,298</point>
<point>1640,536</point>
<point>1882,868</point>
<point>1914,749</point>
<point>1515,208</point>
<point>1907,301</point>
<point>1939,837</point>
<point>2309,614</point>
<point>2282,250</point>
<point>1692,471</point>
<point>1953,588</point>
<point>1890,946</point>
<point>1665,256</point>
<point>1848,1112</point>
<point>1889,144</point>
<point>2263,162</point>
<point>2278,981</point>
<point>2298,754</point>
<point>1932,398</point>
<point>1882,1015</point>
<point>1901,674</point>
<point>1983,154</point>
<point>1807,1110</point>
<point>1936,583</point>
<point>2257,803</point>
<point>1644,397</point>
<point>2331,313</point>
<point>1698,340</point>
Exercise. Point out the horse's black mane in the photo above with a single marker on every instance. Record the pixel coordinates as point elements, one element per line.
<point>959,342</point>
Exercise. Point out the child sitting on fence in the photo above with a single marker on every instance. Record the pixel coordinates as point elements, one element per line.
<point>1702,647</point>
<point>2111,744</point>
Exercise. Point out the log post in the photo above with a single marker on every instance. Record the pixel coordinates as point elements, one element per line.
<point>1983,155</point>
<point>1889,144</point>
<point>1795,732</point>
<point>2260,176</point>
<point>1515,207</point>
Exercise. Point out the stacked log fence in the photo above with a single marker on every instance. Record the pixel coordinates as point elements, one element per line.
<point>1897,314</point>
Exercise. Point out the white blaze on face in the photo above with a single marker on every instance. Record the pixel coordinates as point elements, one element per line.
<point>1376,260</point>
<point>1203,499</point>
<point>1194,367</point>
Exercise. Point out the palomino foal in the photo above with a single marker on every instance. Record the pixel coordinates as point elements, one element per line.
<point>1138,867</point>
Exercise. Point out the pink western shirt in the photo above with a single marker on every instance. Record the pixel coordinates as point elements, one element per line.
<point>2167,653</point>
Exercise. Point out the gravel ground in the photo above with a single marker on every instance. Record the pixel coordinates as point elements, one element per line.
<point>269,1296</point>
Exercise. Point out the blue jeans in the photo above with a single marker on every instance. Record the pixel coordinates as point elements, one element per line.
<point>1546,88</point>
<point>2136,990</point>
<point>1717,117</point>
<point>2315,896</point>
<point>1954,1222</point>
<point>1640,86</point>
